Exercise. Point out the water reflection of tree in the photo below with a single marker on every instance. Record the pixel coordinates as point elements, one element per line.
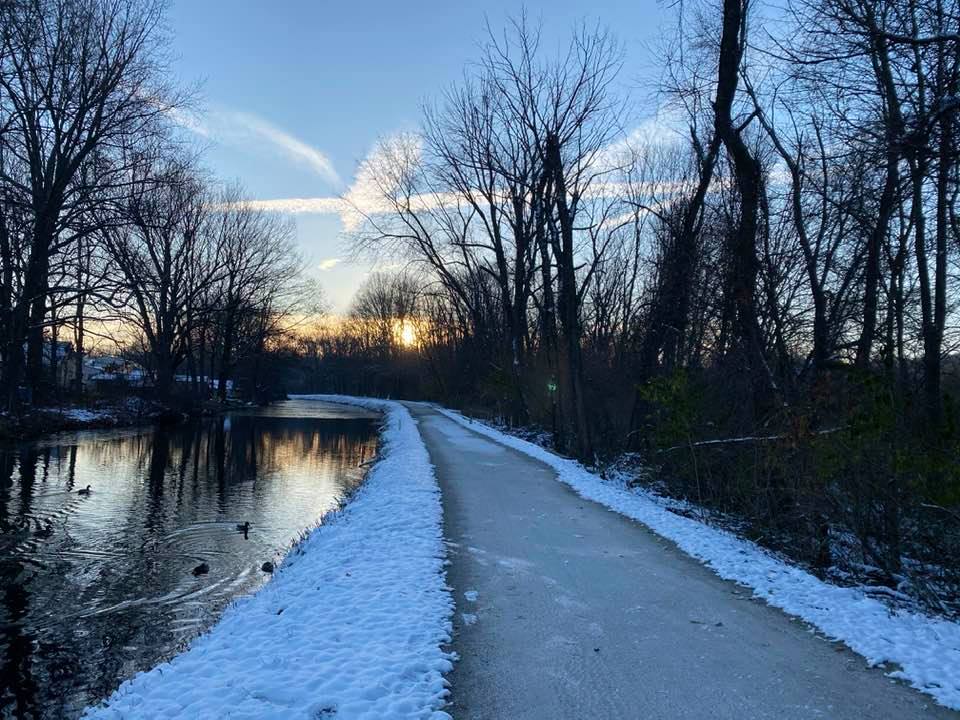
<point>7,463</point>
<point>251,445</point>
<point>72,469</point>
<point>156,481</point>
<point>18,687</point>
<point>28,478</point>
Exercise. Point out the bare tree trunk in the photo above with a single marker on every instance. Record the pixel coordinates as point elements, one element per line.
<point>7,347</point>
<point>165,371</point>
<point>26,326</point>
<point>226,357</point>
<point>78,328</point>
<point>894,126</point>
<point>872,271</point>
<point>37,298</point>
<point>54,364</point>
<point>571,360</point>
<point>933,337</point>
<point>749,179</point>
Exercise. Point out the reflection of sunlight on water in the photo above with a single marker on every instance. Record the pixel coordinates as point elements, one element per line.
<point>100,587</point>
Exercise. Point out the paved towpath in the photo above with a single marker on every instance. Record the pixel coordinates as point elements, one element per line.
<point>568,610</point>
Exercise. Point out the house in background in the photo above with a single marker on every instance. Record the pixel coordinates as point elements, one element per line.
<point>60,356</point>
<point>110,374</point>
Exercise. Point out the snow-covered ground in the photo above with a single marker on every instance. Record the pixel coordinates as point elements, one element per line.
<point>84,415</point>
<point>104,414</point>
<point>351,626</point>
<point>922,650</point>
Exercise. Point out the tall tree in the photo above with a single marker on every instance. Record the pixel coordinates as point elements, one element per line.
<point>167,255</point>
<point>78,76</point>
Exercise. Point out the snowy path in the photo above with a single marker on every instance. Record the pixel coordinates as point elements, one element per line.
<point>568,610</point>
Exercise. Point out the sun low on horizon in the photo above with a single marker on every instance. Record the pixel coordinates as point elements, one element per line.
<point>408,334</point>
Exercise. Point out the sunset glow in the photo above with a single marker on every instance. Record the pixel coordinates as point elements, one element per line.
<point>408,334</point>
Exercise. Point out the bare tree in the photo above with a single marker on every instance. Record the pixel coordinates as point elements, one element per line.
<point>167,255</point>
<point>256,258</point>
<point>78,76</point>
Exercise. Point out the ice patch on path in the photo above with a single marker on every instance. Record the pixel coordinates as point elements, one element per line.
<point>351,625</point>
<point>927,649</point>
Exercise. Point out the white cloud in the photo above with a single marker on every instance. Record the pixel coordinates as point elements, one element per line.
<point>293,147</point>
<point>300,206</point>
<point>378,174</point>
<point>242,128</point>
<point>329,263</point>
<point>363,198</point>
<point>190,121</point>
<point>666,126</point>
<point>663,128</point>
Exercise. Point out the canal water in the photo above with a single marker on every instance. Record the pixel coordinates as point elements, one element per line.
<point>97,587</point>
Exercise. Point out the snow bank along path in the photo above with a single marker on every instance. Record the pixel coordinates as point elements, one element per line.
<point>926,649</point>
<point>351,625</point>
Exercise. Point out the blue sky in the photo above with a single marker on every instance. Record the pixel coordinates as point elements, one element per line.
<point>294,93</point>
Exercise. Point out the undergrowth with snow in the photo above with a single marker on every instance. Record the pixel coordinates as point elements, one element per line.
<point>925,651</point>
<point>351,625</point>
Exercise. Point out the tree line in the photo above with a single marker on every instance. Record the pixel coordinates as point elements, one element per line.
<point>110,229</point>
<point>756,291</point>
<point>758,294</point>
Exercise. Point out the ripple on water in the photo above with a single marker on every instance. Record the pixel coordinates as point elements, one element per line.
<point>99,587</point>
